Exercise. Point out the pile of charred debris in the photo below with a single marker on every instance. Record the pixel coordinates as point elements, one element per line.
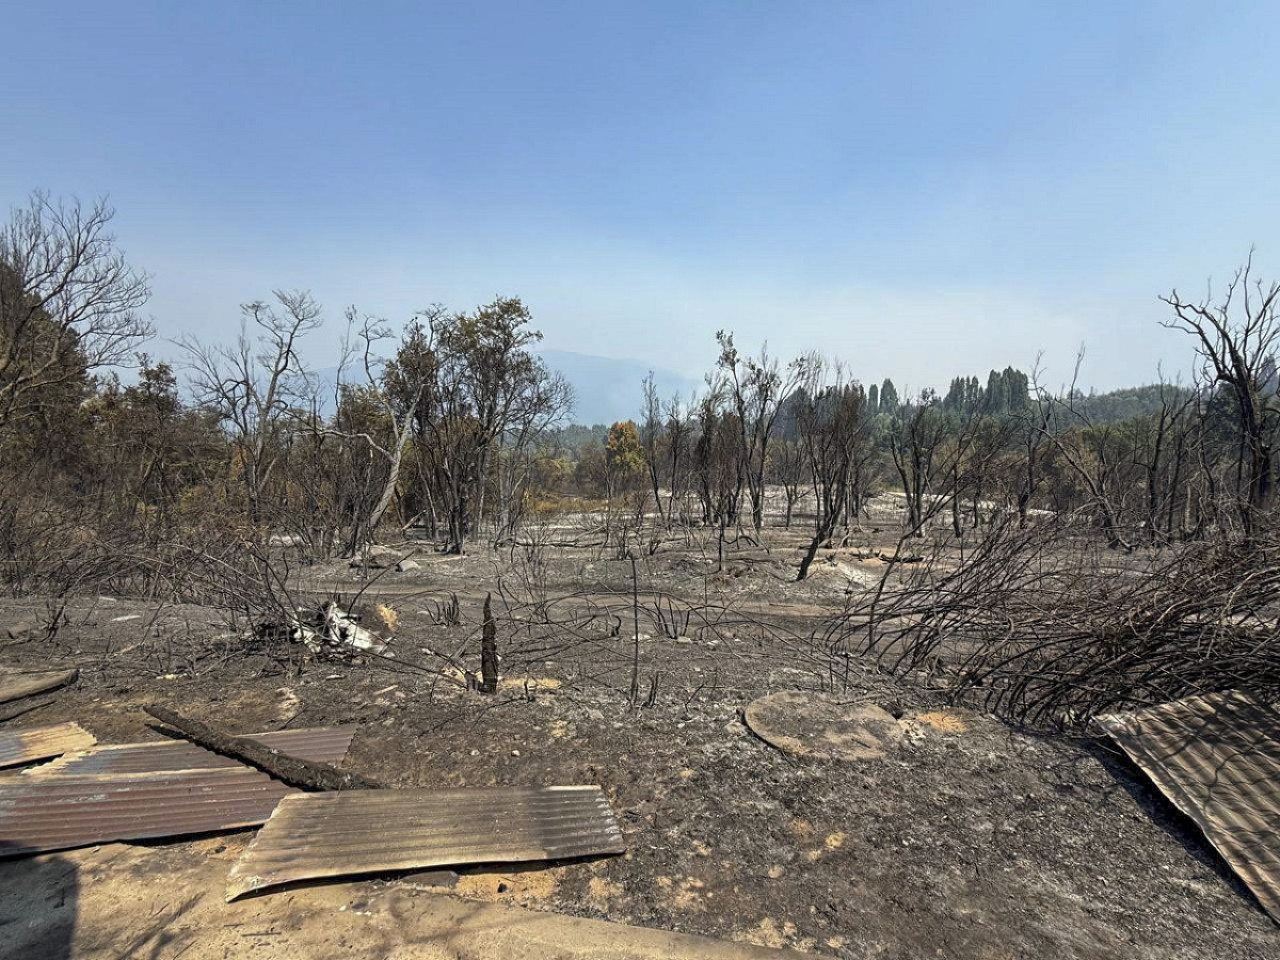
<point>317,819</point>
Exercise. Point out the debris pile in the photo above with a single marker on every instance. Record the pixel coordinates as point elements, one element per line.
<point>327,631</point>
<point>318,744</point>
<point>214,781</point>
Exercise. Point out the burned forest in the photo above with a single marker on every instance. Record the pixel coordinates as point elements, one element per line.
<point>302,649</point>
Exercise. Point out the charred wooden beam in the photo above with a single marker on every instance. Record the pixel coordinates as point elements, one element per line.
<point>303,774</point>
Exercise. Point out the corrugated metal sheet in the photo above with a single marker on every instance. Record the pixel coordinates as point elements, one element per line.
<point>58,813</point>
<point>321,744</point>
<point>16,684</point>
<point>371,831</point>
<point>1217,758</point>
<point>29,744</point>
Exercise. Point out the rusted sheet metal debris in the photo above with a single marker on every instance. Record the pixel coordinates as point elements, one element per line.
<point>1217,757</point>
<point>58,813</point>
<point>29,744</point>
<point>371,831</point>
<point>14,684</point>
<point>322,744</point>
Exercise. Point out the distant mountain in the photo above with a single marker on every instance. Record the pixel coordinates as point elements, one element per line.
<point>607,390</point>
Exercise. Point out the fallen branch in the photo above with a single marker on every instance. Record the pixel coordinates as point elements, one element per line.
<point>1033,625</point>
<point>304,774</point>
<point>890,558</point>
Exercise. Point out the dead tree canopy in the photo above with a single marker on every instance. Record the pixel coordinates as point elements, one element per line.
<point>255,383</point>
<point>69,301</point>
<point>755,388</point>
<point>832,423</point>
<point>1236,338</point>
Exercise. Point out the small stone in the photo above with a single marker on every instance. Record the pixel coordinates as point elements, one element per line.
<point>475,753</point>
<point>515,753</point>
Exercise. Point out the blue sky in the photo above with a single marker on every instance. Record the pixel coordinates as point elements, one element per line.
<point>922,189</point>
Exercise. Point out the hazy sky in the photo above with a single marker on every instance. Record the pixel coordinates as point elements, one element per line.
<point>924,189</point>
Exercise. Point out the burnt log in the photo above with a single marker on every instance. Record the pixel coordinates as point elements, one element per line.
<point>303,774</point>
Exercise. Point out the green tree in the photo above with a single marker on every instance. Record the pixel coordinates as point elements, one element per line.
<point>888,397</point>
<point>488,398</point>
<point>624,456</point>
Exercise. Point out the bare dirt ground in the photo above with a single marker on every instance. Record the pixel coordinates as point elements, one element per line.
<point>968,839</point>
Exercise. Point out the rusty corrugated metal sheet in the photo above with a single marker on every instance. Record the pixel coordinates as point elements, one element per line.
<point>58,813</point>
<point>371,831</point>
<point>29,744</point>
<point>321,744</point>
<point>1217,757</point>
<point>16,684</point>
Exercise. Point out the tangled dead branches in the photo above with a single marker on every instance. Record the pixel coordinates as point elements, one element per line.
<point>1043,627</point>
